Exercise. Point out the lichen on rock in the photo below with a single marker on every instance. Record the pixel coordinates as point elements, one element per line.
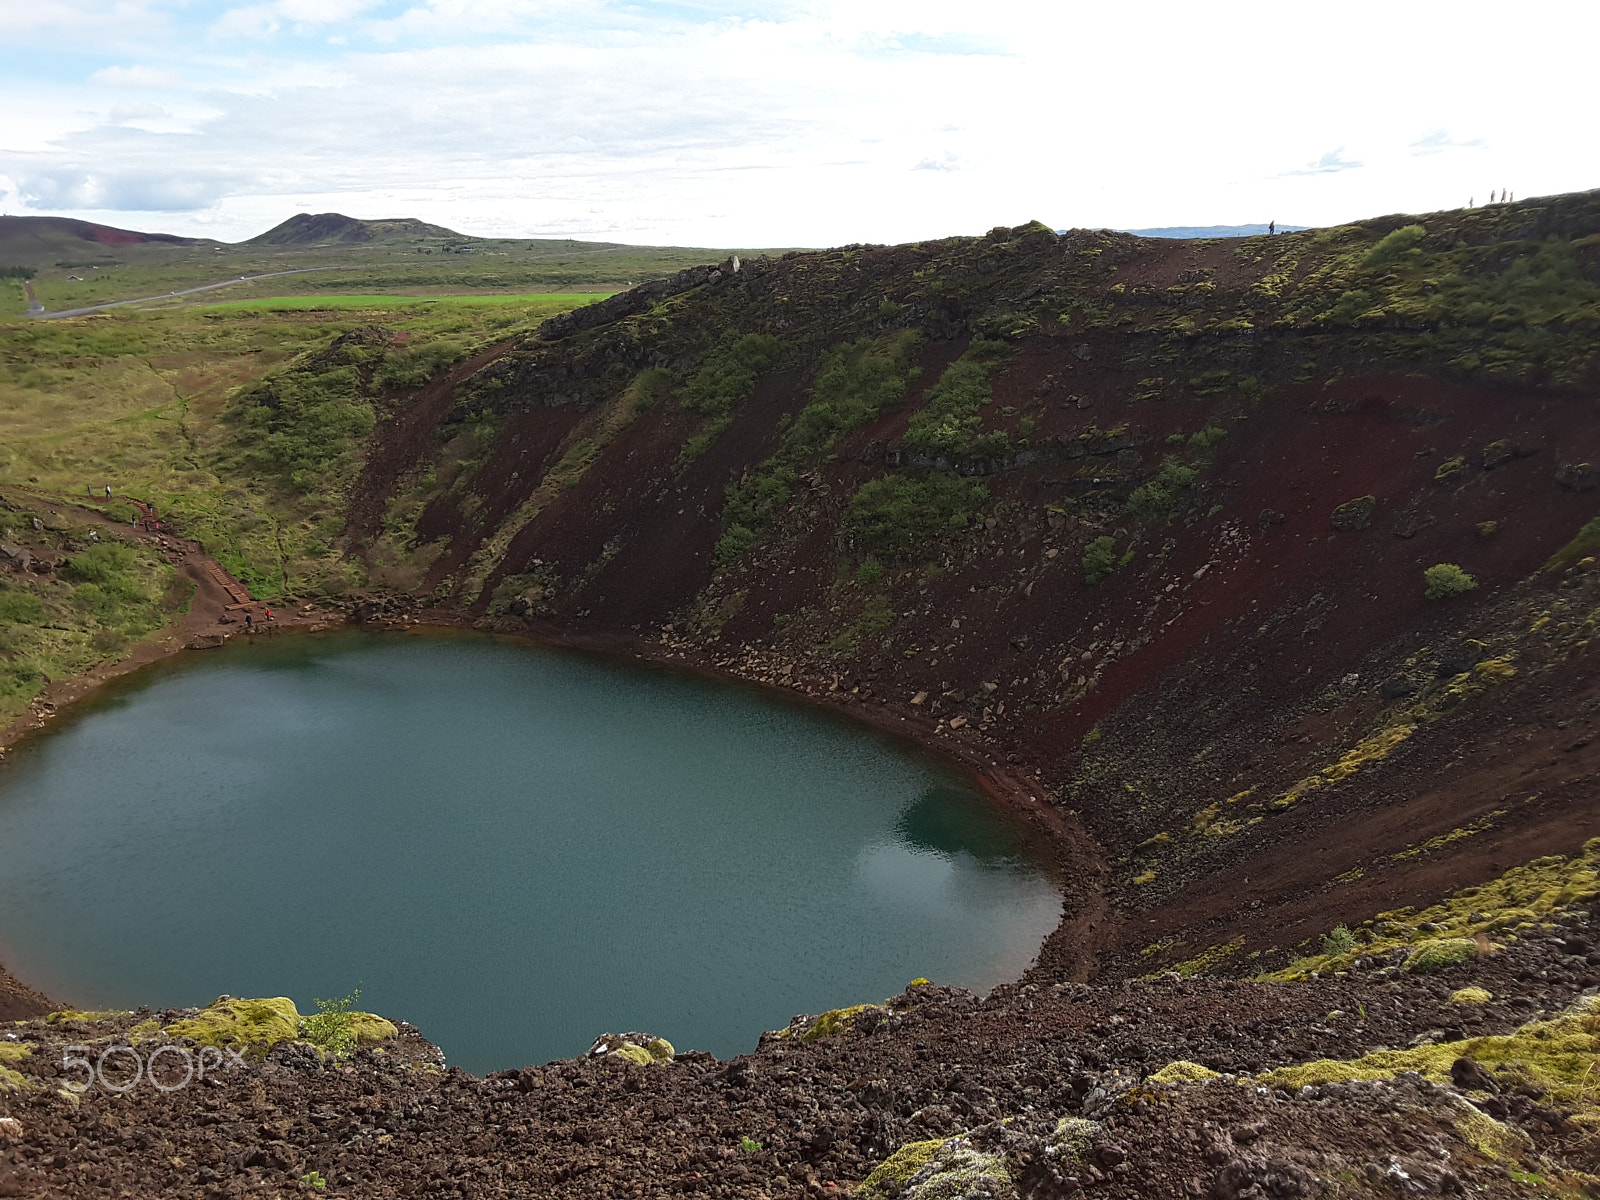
<point>948,1169</point>
<point>642,1048</point>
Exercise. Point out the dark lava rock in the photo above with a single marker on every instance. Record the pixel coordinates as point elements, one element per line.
<point>1354,514</point>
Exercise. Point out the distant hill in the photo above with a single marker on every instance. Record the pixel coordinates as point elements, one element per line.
<point>1209,231</point>
<point>306,229</point>
<point>30,241</point>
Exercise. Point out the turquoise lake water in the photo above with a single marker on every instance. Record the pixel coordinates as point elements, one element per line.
<point>513,847</point>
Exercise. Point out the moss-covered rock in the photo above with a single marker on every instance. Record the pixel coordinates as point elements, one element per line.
<point>369,1028</point>
<point>642,1048</point>
<point>1526,895</point>
<point>888,1178</point>
<point>1471,995</point>
<point>251,1027</point>
<point>836,1020</point>
<point>1490,1138</point>
<point>1439,954</point>
<point>12,1079</point>
<point>1182,1071</point>
<point>949,1169</point>
<point>1560,1055</point>
<point>89,1016</point>
<point>1072,1137</point>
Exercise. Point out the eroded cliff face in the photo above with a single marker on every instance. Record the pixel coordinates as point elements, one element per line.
<point>1141,525</point>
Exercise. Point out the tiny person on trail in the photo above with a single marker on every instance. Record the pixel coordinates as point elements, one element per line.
<point>249,623</point>
<point>1272,227</point>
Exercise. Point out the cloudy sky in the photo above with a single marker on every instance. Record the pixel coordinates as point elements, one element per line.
<point>786,122</point>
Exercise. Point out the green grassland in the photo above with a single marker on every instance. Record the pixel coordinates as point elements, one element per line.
<point>55,626</point>
<point>417,267</point>
<point>170,406</point>
<point>539,304</point>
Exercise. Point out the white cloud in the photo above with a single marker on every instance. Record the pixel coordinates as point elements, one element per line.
<point>1332,161</point>
<point>1438,140</point>
<point>125,191</point>
<point>805,121</point>
<point>137,77</point>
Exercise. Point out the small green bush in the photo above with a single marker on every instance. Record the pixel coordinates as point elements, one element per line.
<point>728,373</point>
<point>1393,245</point>
<point>1161,493</point>
<point>1338,940</point>
<point>1444,580</point>
<point>898,515</point>
<point>1099,559</point>
<point>855,384</point>
<point>731,546</point>
<point>948,423</point>
<point>869,573</point>
<point>20,608</point>
<point>332,1026</point>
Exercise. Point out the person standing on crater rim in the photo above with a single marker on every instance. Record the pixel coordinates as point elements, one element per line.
<point>1272,227</point>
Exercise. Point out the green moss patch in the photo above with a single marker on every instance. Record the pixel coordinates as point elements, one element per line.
<point>1523,896</point>
<point>73,1014</point>
<point>249,1026</point>
<point>1559,1055</point>
<point>945,1169</point>
<point>10,1078</point>
<point>836,1020</point>
<point>1182,1071</point>
<point>1439,954</point>
<point>889,1177</point>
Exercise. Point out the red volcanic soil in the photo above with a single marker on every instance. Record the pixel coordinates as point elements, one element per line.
<point>58,228</point>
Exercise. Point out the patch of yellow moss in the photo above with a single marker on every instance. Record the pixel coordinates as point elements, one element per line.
<point>1208,958</point>
<point>1490,1138</point>
<point>1455,835</point>
<point>889,1176</point>
<point>248,1026</point>
<point>368,1028</point>
<point>1145,876</point>
<point>1471,995</point>
<point>836,1020</point>
<point>1560,1055</point>
<point>1182,1071</point>
<point>1525,895</point>
<point>73,1014</point>
<point>1439,953</point>
<point>10,1078</point>
<point>1400,726</point>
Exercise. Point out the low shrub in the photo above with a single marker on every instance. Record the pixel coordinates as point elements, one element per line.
<point>1099,559</point>
<point>897,515</point>
<point>20,608</point>
<point>728,373</point>
<point>1394,245</point>
<point>949,422</point>
<point>1444,580</point>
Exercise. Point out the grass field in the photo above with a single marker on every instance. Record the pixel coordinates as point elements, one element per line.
<point>147,400</point>
<point>103,274</point>
<point>546,303</point>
